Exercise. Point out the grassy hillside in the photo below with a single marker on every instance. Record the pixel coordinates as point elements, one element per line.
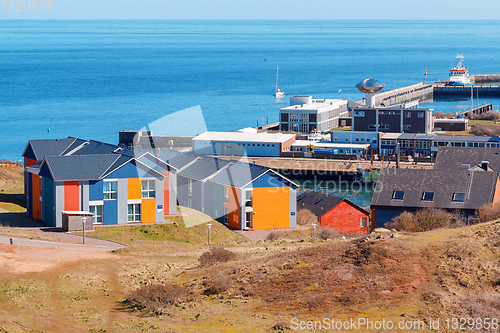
<point>437,274</point>
<point>11,188</point>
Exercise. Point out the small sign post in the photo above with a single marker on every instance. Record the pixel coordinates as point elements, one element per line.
<point>84,219</point>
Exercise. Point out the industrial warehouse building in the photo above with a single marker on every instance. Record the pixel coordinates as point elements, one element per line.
<point>117,184</point>
<point>240,195</point>
<point>306,114</point>
<point>242,143</point>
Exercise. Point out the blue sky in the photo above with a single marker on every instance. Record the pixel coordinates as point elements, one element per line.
<point>261,9</point>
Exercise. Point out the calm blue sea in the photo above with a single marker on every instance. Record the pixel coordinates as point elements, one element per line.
<point>91,79</point>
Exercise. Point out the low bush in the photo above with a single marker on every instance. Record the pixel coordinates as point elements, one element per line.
<point>425,219</point>
<point>488,213</point>
<point>306,217</point>
<point>492,115</point>
<point>217,284</point>
<point>328,233</point>
<point>488,130</point>
<point>274,236</point>
<point>158,298</point>
<point>281,326</point>
<point>216,255</point>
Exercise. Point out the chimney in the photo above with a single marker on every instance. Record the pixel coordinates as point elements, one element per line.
<point>484,165</point>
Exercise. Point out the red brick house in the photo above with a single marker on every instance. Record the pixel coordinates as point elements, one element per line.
<point>336,213</point>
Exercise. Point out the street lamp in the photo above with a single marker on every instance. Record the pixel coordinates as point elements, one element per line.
<point>84,219</point>
<point>209,227</point>
<point>314,230</point>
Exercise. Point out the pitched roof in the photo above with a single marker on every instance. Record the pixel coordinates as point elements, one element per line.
<point>82,167</point>
<point>238,174</point>
<point>177,159</point>
<point>452,158</point>
<point>477,187</point>
<point>52,147</point>
<point>317,203</point>
<point>203,167</point>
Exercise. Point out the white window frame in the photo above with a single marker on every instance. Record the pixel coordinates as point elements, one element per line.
<point>248,200</point>
<point>226,194</point>
<point>95,216</point>
<point>110,194</point>
<point>226,216</point>
<point>190,187</point>
<point>363,222</point>
<point>135,216</point>
<point>148,188</point>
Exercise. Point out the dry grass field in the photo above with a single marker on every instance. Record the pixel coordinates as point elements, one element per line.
<point>441,273</point>
<point>159,284</point>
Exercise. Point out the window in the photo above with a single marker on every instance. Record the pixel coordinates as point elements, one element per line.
<point>226,194</point>
<point>346,139</point>
<point>357,139</point>
<point>335,140</point>
<point>406,127</point>
<point>109,190</point>
<point>248,199</point>
<point>384,126</point>
<point>428,196</point>
<point>226,216</point>
<point>148,189</point>
<point>458,197</point>
<point>134,213</point>
<point>398,195</point>
<point>372,126</point>
<point>408,114</point>
<point>97,214</point>
<point>363,222</point>
<point>190,186</point>
<point>420,114</point>
<point>190,203</point>
<point>358,113</point>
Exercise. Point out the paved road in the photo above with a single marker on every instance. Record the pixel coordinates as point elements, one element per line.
<point>22,220</point>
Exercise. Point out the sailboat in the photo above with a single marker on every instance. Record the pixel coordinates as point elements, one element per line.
<point>278,93</point>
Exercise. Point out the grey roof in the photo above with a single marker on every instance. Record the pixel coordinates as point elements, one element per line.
<point>82,167</point>
<point>238,174</point>
<point>462,138</point>
<point>97,147</point>
<point>452,158</point>
<point>177,159</point>
<point>416,136</point>
<point>52,147</point>
<point>203,167</point>
<point>318,203</point>
<point>478,187</point>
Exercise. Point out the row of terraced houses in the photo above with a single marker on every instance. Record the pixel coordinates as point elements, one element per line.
<point>120,185</point>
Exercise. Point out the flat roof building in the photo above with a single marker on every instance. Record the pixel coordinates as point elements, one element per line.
<point>306,114</point>
<point>242,143</point>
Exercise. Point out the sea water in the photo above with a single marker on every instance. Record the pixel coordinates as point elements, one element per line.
<point>91,79</point>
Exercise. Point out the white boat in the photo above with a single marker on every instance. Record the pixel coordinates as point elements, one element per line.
<point>459,75</point>
<point>278,93</point>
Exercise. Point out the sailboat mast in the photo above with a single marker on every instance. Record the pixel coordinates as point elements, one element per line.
<point>277,71</point>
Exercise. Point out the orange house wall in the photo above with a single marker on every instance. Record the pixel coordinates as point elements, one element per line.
<point>148,211</point>
<point>134,189</point>
<point>271,205</point>
<point>496,197</point>
<point>71,196</point>
<point>36,193</point>
<point>345,218</point>
<point>233,208</point>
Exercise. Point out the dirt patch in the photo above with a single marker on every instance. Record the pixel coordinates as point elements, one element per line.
<point>20,259</point>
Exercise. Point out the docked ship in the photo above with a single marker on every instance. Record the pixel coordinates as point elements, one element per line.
<point>459,75</point>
